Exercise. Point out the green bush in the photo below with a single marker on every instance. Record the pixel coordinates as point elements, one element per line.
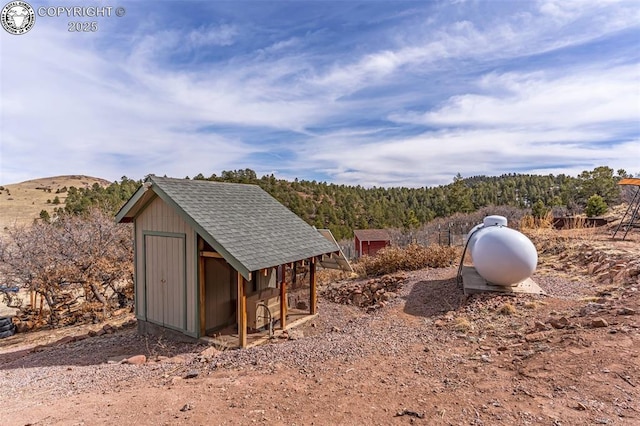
<point>539,210</point>
<point>595,206</point>
<point>44,215</point>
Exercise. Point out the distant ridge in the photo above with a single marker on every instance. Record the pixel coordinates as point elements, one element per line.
<point>21,203</point>
<point>79,178</point>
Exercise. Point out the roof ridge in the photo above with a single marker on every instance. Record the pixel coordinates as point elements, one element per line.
<point>183,180</point>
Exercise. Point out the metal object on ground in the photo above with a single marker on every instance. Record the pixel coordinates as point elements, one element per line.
<point>632,211</point>
<point>501,255</point>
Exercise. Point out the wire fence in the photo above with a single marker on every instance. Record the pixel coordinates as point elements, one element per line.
<point>447,237</point>
<point>450,231</point>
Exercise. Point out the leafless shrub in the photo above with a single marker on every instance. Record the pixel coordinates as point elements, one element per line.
<point>412,257</point>
<point>87,255</point>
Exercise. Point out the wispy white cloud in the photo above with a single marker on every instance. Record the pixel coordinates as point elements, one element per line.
<point>196,98</point>
<point>222,35</point>
<point>521,34</point>
<point>436,157</point>
<point>583,98</point>
<point>81,112</point>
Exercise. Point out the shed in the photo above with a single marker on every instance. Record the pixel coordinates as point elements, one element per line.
<point>211,256</point>
<point>370,241</point>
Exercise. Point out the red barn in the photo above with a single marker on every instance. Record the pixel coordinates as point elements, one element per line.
<point>369,241</point>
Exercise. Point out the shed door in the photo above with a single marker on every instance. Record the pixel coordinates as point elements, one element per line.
<point>165,280</point>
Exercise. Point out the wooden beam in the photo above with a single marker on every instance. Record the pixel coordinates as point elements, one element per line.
<point>283,298</point>
<point>201,288</point>
<point>242,313</point>
<point>211,254</point>
<point>202,295</point>
<point>312,284</point>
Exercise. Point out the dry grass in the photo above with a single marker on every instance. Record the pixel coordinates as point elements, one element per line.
<point>507,309</point>
<point>326,276</point>
<point>462,324</point>
<point>531,305</point>
<point>552,241</point>
<point>21,203</point>
<point>412,257</point>
<point>529,222</point>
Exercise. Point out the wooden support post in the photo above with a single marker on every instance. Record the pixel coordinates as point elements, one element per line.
<point>294,274</point>
<point>242,313</point>
<point>283,298</point>
<point>312,286</point>
<point>201,291</point>
<point>201,296</point>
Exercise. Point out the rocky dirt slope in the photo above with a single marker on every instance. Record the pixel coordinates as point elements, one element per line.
<point>426,355</point>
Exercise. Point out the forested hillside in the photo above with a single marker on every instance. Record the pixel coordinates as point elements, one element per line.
<point>343,208</point>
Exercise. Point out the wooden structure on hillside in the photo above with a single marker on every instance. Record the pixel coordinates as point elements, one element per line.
<point>570,222</point>
<point>633,211</point>
<point>370,241</point>
<point>212,256</point>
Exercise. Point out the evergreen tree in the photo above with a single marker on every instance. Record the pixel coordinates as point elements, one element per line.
<point>539,210</point>
<point>596,206</point>
<point>44,215</point>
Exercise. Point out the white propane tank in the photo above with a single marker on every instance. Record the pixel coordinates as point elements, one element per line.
<point>501,255</point>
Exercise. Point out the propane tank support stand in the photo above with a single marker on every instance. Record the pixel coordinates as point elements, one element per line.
<point>473,283</point>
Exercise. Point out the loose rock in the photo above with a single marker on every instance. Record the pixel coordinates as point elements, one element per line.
<point>599,322</point>
<point>626,311</point>
<point>192,374</point>
<point>136,360</point>
<point>559,323</point>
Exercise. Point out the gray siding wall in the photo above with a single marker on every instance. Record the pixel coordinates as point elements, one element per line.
<point>267,282</point>
<point>156,219</point>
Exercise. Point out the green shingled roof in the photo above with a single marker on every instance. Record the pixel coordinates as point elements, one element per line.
<point>245,224</point>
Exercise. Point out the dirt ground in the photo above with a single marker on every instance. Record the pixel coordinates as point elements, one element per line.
<point>432,356</point>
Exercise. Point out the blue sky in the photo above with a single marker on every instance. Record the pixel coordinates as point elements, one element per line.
<point>383,93</point>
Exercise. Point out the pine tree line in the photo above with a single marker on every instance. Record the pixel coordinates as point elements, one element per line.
<point>343,208</point>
